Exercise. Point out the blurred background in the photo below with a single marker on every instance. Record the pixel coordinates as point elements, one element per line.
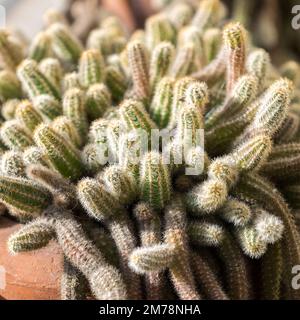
<point>269,20</point>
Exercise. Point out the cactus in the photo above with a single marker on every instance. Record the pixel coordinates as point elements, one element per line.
<point>23,197</point>
<point>91,68</point>
<point>160,108</point>
<point>155,181</point>
<point>138,62</point>
<point>12,164</point>
<point>66,46</point>
<point>34,235</point>
<point>11,53</point>
<point>53,71</point>
<point>47,106</point>
<point>158,29</point>
<point>98,100</point>
<point>40,47</point>
<point>74,285</point>
<point>28,116</point>
<point>161,60</point>
<point>34,82</point>
<point>61,154</point>
<point>74,109</point>
<point>9,108</point>
<point>15,136</point>
<point>10,87</point>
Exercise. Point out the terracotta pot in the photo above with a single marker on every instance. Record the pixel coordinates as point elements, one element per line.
<point>28,276</point>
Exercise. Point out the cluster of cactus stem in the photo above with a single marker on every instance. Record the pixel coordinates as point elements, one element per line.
<point>147,229</point>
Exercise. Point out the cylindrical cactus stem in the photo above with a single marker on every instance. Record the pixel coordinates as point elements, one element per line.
<point>253,153</point>
<point>180,15</point>
<point>243,92</point>
<point>15,136</point>
<point>91,68</point>
<point>114,25</point>
<point>179,99</point>
<point>236,212</point>
<point>271,273</point>
<point>288,131</point>
<point>161,60</point>
<point>34,235</point>
<point>212,40</point>
<point>268,226</point>
<point>237,277</point>
<point>64,44</point>
<point>207,197</point>
<point>74,109</point>
<point>290,70</point>
<point>155,180</point>
<point>73,284</point>
<point>158,29</point>
<point>282,168</point>
<point>139,65</point>
<point>61,154</point>
<point>207,279</point>
<point>175,235</point>
<point>134,117</point>
<point>34,82</point>
<point>10,86</point>
<point>98,100</point>
<point>9,108</point>
<point>130,153</point>
<point>66,128</point>
<point>183,62</point>
<point>12,164</point>
<point>235,47</point>
<point>220,137</point>
<point>114,132</point>
<point>255,188</point>
<point>34,155</point>
<point>160,107</point>
<point>117,83</point>
<point>48,106</point>
<point>104,242</point>
<point>153,259</point>
<point>104,279</point>
<point>122,232</point>
<point>196,95</point>
<point>192,35</point>
<point>28,115</point>
<point>100,40</point>
<point>70,81</point>
<point>64,193</point>
<point>11,52</point>
<point>208,14</point>
<point>53,71</point>
<point>24,198</point>
<point>103,206</point>
<point>205,233</point>
<point>40,47</point>
<point>251,243</point>
<point>258,64</point>
<point>150,234</point>
<point>224,169</point>
<point>91,158</point>
<point>189,128</point>
<point>271,111</point>
<point>120,184</point>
